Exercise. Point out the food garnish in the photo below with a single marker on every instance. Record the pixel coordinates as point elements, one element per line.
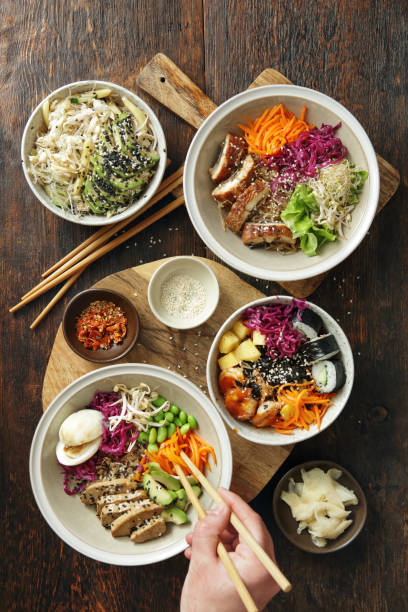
<point>183,296</point>
<point>100,325</point>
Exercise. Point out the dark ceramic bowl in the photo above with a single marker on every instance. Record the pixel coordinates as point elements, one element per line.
<point>82,301</point>
<point>288,525</point>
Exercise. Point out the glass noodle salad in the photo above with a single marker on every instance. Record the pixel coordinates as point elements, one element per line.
<point>96,154</point>
<point>286,184</point>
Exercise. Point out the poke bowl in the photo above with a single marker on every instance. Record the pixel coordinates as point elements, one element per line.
<point>280,370</point>
<point>93,152</point>
<point>304,193</point>
<point>122,479</point>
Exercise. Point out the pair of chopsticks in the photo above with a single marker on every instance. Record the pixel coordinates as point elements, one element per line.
<point>263,557</point>
<point>74,263</point>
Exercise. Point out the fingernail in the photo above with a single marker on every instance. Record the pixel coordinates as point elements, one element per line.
<point>217,510</point>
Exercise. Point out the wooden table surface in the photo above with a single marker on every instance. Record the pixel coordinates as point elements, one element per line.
<point>355,52</point>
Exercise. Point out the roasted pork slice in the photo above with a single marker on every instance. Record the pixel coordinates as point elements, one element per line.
<point>266,414</point>
<point>107,487</point>
<point>120,497</point>
<point>257,234</point>
<point>234,149</point>
<point>149,530</point>
<point>139,512</point>
<point>245,203</point>
<point>227,191</point>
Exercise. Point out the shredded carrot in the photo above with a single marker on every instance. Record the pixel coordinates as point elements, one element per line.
<point>308,406</point>
<point>273,129</point>
<point>195,448</point>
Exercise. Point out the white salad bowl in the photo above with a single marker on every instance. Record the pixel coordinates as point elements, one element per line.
<point>76,523</point>
<point>202,208</point>
<point>268,435</point>
<point>35,125</point>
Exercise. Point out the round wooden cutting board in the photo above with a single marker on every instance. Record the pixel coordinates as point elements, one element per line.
<point>185,351</point>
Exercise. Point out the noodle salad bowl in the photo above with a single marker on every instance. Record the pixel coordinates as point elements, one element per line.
<point>76,523</point>
<point>82,144</point>
<point>235,205</point>
<point>247,386</point>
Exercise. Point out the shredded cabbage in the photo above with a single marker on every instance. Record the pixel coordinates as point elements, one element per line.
<point>76,477</point>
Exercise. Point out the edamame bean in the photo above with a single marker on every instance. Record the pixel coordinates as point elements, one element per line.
<point>159,401</point>
<point>151,419</point>
<point>185,429</point>
<point>171,429</point>
<point>143,437</point>
<point>191,421</point>
<point>174,409</point>
<point>169,416</point>
<point>183,417</point>
<point>161,434</point>
<point>159,416</point>
<point>152,435</point>
<point>197,490</point>
<point>152,448</point>
<point>178,422</point>
<point>181,494</point>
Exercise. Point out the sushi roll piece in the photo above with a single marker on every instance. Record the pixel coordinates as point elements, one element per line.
<point>329,375</point>
<point>309,323</point>
<point>322,347</point>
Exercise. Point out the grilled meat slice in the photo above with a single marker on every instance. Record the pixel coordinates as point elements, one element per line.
<point>257,234</point>
<point>245,203</point>
<point>107,487</point>
<point>120,497</point>
<point>149,530</point>
<point>139,512</point>
<point>227,191</point>
<point>234,149</point>
<point>110,512</point>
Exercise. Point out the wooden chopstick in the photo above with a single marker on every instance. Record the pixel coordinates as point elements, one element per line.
<point>100,239</point>
<point>221,550</point>
<point>263,557</point>
<point>106,248</point>
<point>56,298</point>
<point>164,189</point>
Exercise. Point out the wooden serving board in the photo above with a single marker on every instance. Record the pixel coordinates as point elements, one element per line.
<point>165,82</point>
<point>184,351</point>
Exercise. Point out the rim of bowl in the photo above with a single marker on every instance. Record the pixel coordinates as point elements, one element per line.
<point>153,280</point>
<point>152,186</point>
<point>220,113</point>
<point>231,422</point>
<point>38,440</point>
<point>362,502</point>
<point>96,292</point>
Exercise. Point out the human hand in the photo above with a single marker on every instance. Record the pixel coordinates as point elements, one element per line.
<point>207,585</point>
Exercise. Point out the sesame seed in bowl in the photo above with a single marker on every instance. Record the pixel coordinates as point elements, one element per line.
<point>183,293</point>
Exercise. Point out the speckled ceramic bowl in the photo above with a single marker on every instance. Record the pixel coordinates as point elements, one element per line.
<point>267,435</point>
<point>36,123</point>
<point>203,152</point>
<point>78,524</point>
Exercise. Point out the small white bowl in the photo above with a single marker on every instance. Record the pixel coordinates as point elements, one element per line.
<point>36,123</point>
<point>196,269</point>
<point>203,152</point>
<point>76,523</point>
<point>268,435</point>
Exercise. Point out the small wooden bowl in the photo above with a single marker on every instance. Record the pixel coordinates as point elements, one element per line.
<point>288,525</point>
<point>78,304</point>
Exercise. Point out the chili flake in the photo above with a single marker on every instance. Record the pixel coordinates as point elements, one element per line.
<point>100,325</point>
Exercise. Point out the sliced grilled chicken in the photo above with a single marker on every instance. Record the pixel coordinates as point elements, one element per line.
<point>234,149</point>
<point>149,530</point>
<point>245,203</point>
<point>266,414</point>
<point>107,487</point>
<point>256,234</point>
<point>228,190</point>
<point>110,512</point>
<point>120,497</point>
<point>139,512</point>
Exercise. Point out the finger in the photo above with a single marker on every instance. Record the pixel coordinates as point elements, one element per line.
<point>189,538</point>
<point>207,533</point>
<point>187,553</point>
<point>227,536</point>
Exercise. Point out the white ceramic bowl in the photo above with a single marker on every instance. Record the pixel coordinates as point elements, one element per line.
<point>196,269</point>
<point>204,150</point>
<point>76,523</point>
<point>268,435</point>
<point>35,124</point>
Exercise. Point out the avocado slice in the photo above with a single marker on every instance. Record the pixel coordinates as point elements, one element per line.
<point>174,515</point>
<point>164,478</point>
<point>157,492</point>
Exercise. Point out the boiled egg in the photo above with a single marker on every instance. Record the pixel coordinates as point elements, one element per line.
<point>80,436</point>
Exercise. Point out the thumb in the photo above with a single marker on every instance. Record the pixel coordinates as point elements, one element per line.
<point>207,532</point>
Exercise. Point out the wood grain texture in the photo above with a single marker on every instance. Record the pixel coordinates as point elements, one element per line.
<point>355,52</point>
<point>184,352</point>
